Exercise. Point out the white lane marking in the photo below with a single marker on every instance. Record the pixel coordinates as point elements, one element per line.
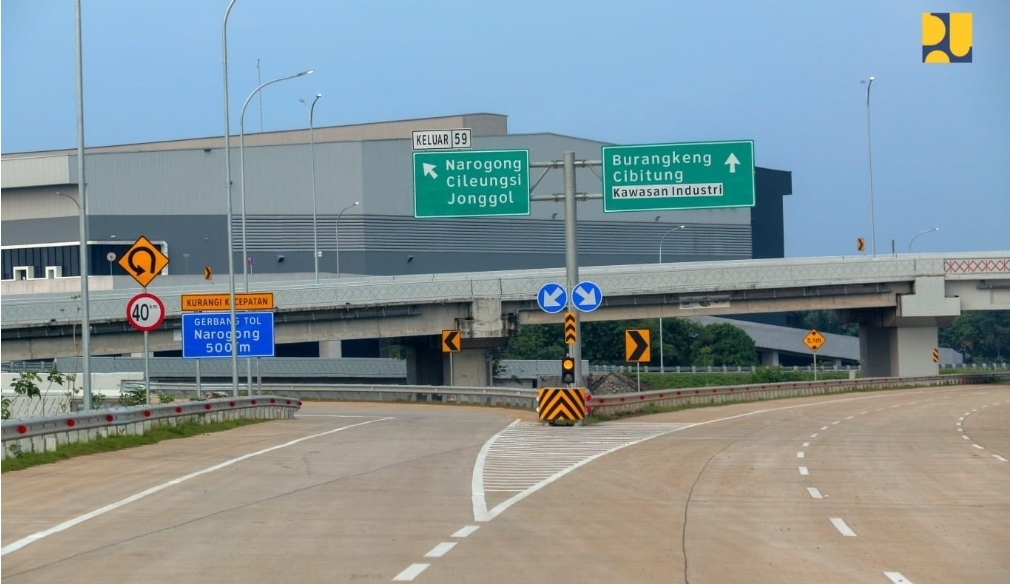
<point>966,438</point>
<point>412,571</point>
<point>863,413</point>
<point>842,527</point>
<point>800,454</point>
<point>477,480</point>
<point>804,471</point>
<point>814,435</point>
<point>879,410</point>
<point>975,410</point>
<point>897,578</point>
<point>814,493</point>
<point>572,447</point>
<point>805,444</point>
<point>958,424</point>
<point>835,422</point>
<point>961,419</point>
<point>330,416</point>
<point>441,549</point>
<point>999,458</point>
<point>979,446</point>
<point>850,417</point>
<point>466,531</point>
<point>132,498</point>
<point>967,413</point>
<point>824,427</point>
<point>960,429</point>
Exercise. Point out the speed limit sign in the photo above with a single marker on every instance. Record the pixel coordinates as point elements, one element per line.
<point>145,312</point>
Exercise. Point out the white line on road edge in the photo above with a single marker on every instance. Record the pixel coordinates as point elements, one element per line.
<point>441,549</point>
<point>804,471</point>
<point>842,527</point>
<point>814,493</point>
<point>133,498</point>
<point>897,578</point>
<point>412,571</point>
<point>466,531</point>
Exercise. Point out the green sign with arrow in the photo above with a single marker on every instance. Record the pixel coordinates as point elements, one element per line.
<point>474,183</point>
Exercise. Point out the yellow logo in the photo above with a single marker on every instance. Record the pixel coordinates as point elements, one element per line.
<point>946,37</point>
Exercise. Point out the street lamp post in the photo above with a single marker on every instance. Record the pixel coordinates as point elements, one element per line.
<point>923,232</point>
<point>227,174</point>
<point>241,158</point>
<point>83,217</point>
<point>312,153</point>
<point>662,367</point>
<point>336,232</point>
<point>869,157</point>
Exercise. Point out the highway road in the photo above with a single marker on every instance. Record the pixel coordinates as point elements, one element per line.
<point>909,486</point>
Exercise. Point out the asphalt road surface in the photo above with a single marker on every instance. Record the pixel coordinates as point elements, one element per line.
<point>909,486</point>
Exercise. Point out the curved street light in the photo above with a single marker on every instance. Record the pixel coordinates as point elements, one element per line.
<point>869,157</point>
<point>312,153</point>
<point>227,178</point>
<point>662,368</point>
<point>923,232</point>
<point>337,232</point>
<point>241,148</point>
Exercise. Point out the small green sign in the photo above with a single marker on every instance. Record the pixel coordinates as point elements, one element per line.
<point>474,183</point>
<point>659,177</point>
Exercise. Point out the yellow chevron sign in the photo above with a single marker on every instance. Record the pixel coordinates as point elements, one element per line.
<point>561,404</point>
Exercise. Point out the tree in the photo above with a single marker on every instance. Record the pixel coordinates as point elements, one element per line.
<point>537,342</point>
<point>981,335</point>
<point>821,320</point>
<point>724,344</point>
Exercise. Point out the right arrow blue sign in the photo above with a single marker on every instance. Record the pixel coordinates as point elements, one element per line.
<point>587,296</point>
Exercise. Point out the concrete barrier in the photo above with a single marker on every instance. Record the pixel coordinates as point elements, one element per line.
<point>636,402</point>
<point>47,433</point>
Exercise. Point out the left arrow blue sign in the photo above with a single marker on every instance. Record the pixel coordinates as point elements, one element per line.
<point>552,298</point>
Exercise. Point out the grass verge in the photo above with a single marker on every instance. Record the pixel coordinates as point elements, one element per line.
<point>112,443</point>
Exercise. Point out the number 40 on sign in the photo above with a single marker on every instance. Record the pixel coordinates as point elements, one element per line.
<point>145,312</point>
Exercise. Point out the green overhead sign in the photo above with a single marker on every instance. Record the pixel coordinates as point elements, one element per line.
<point>481,183</point>
<point>659,177</point>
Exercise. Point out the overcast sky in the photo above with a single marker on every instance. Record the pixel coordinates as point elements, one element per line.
<point>785,73</point>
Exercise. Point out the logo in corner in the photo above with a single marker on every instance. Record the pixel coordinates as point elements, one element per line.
<point>946,37</point>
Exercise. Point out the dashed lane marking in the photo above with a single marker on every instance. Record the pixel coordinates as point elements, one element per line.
<point>804,471</point>
<point>441,549</point>
<point>800,454</point>
<point>842,527</point>
<point>469,529</point>
<point>814,435</point>
<point>805,444</point>
<point>814,493</point>
<point>897,578</point>
<point>999,458</point>
<point>412,571</point>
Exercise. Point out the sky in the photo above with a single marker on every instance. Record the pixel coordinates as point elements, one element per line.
<point>784,73</point>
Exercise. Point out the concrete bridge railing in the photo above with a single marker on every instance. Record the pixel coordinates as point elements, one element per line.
<point>637,402</point>
<point>46,433</point>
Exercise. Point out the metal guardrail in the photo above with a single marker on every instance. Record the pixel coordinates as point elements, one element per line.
<point>96,419</point>
<point>633,402</point>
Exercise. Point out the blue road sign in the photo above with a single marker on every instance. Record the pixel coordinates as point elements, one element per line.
<point>587,296</point>
<point>207,335</point>
<point>552,298</point>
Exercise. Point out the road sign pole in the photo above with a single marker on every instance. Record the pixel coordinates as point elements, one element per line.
<point>248,377</point>
<point>147,371</point>
<point>198,392</point>
<point>82,202</point>
<point>451,380</point>
<point>572,258</point>
<point>815,365</point>
<point>638,367</point>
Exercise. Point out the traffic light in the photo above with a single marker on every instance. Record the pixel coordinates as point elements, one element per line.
<point>568,370</point>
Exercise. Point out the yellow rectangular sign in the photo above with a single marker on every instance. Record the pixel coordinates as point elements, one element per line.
<point>215,302</point>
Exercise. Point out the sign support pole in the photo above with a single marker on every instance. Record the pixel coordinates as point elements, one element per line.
<point>248,377</point>
<point>452,380</point>
<point>638,366</point>
<point>815,365</point>
<point>147,371</point>
<point>259,378</point>
<point>198,392</point>
<point>572,259</point>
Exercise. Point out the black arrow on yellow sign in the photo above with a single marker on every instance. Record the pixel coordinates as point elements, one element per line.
<point>450,341</point>
<point>571,334</point>
<point>636,346</point>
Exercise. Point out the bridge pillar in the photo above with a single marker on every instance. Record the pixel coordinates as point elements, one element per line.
<point>770,358</point>
<point>899,342</point>
<point>470,368</point>
<point>330,349</point>
<point>424,360</point>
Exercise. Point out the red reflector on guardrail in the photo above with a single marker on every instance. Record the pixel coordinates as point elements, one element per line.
<point>178,409</point>
<point>206,406</point>
<point>71,423</point>
<point>109,418</point>
<point>253,402</point>
<point>22,429</point>
<point>287,401</point>
<point>231,404</point>
<point>273,401</point>
<point>147,413</point>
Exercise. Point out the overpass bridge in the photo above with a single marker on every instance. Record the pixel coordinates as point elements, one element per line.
<point>898,301</point>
